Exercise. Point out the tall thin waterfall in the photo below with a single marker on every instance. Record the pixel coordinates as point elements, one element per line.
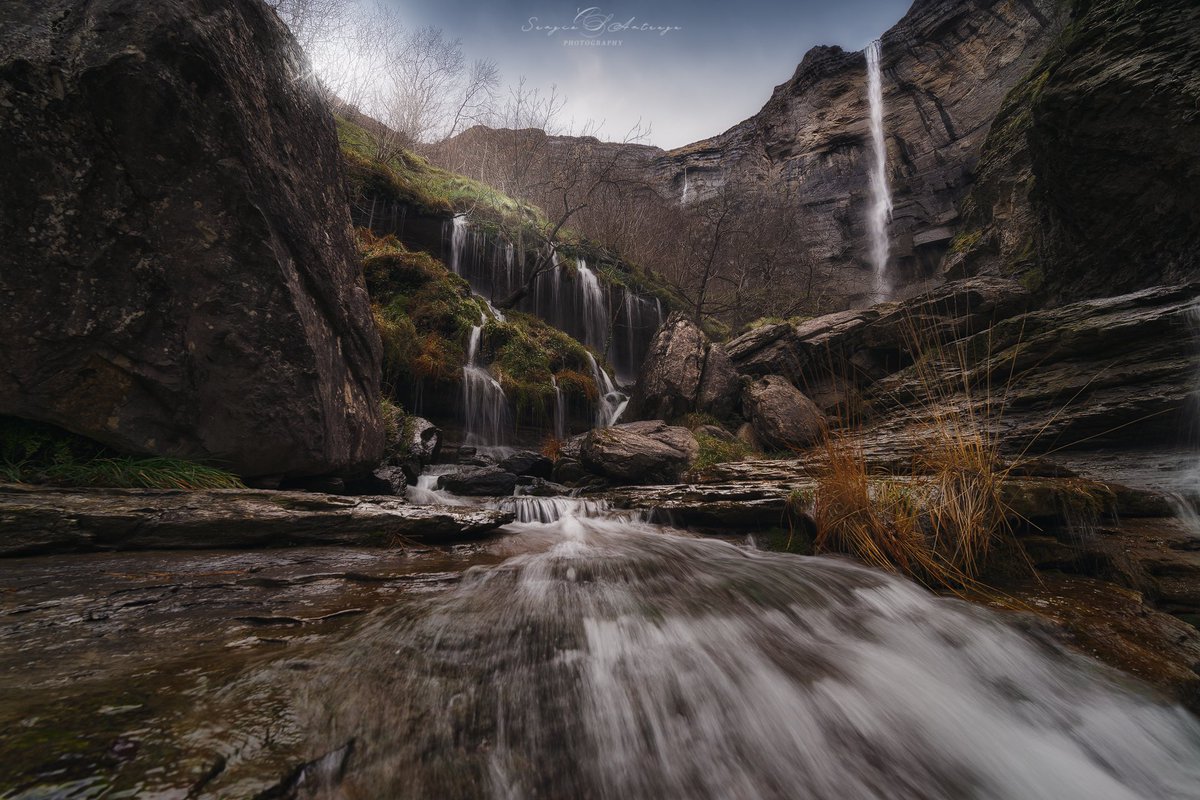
<point>881,194</point>
<point>485,408</point>
<point>684,198</point>
<point>611,403</point>
<point>560,410</point>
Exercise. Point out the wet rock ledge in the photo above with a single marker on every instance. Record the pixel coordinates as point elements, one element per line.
<point>38,520</point>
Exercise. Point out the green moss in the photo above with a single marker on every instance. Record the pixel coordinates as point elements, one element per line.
<point>406,177</point>
<point>33,452</point>
<point>965,241</point>
<point>714,451</point>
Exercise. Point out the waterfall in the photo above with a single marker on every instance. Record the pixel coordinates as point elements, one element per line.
<point>458,239</point>
<point>684,197</point>
<point>485,408</point>
<point>881,195</point>
<point>560,411</point>
<point>595,314</point>
<point>611,403</point>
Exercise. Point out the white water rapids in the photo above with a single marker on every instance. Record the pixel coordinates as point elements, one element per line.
<point>610,658</point>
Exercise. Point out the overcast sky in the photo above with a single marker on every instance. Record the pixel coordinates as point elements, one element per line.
<point>715,65</point>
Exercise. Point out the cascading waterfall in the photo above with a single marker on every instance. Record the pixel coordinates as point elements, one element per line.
<point>485,408</point>
<point>574,301</point>
<point>595,313</point>
<point>611,659</point>
<point>881,195</point>
<point>612,402</point>
<point>683,199</point>
<point>458,240</point>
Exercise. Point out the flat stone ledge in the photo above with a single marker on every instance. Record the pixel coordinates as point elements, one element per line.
<point>37,520</point>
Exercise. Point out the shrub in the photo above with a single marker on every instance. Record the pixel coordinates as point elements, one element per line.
<point>32,452</point>
<point>714,451</point>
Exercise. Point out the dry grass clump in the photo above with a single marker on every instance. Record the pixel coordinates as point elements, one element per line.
<point>942,523</point>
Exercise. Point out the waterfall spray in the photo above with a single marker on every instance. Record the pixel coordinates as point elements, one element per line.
<point>485,408</point>
<point>881,195</point>
<point>611,403</point>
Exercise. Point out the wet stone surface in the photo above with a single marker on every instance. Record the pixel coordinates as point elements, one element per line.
<point>174,674</point>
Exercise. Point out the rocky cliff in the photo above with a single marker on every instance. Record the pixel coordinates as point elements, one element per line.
<point>178,275</point>
<point>946,69</point>
<point>1089,182</point>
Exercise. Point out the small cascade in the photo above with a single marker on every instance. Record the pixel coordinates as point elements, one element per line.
<point>881,196</point>
<point>426,492</point>
<point>547,510</point>
<point>560,410</point>
<point>683,199</point>
<point>612,402</point>
<point>594,308</point>
<point>485,408</point>
<point>458,241</point>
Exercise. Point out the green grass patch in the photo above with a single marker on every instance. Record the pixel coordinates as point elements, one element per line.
<point>714,451</point>
<point>33,452</point>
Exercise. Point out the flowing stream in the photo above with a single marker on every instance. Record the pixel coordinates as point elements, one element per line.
<point>615,659</point>
<point>880,213</point>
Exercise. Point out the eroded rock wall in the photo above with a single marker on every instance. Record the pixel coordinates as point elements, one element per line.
<point>178,274</point>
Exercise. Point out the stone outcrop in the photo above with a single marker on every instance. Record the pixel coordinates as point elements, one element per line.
<point>639,452</point>
<point>39,520</point>
<point>480,482</point>
<point>178,274</point>
<point>1089,182</point>
<point>1116,371</point>
<point>682,373</point>
<point>782,417</point>
<point>832,356</point>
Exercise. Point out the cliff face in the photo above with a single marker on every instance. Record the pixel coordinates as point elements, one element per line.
<point>178,275</point>
<point>947,67</point>
<point>1090,179</point>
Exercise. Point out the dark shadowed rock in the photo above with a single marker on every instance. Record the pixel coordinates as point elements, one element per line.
<point>382,481</point>
<point>1089,183</point>
<point>720,386</point>
<point>528,462</point>
<point>480,482</point>
<point>178,275</point>
<point>783,418</point>
<point>683,372</point>
<point>640,452</point>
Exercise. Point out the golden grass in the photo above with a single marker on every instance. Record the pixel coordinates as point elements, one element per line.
<point>940,524</point>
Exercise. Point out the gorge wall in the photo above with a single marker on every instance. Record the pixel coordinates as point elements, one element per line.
<point>179,276</point>
<point>1089,183</point>
<point>946,69</point>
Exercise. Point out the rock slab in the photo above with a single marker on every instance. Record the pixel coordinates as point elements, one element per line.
<point>39,520</point>
<point>178,274</point>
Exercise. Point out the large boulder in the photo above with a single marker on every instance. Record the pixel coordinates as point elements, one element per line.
<point>640,452</point>
<point>782,417</point>
<point>682,373</point>
<point>178,275</point>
